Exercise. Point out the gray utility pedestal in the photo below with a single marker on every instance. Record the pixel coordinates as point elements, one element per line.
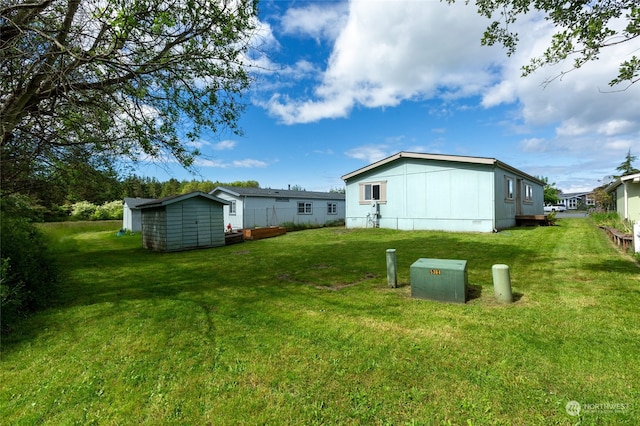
<point>439,279</point>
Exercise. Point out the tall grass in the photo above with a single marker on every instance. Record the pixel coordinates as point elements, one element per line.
<point>302,329</point>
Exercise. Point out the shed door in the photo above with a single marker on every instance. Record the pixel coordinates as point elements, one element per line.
<point>189,226</point>
<point>196,226</point>
<point>204,226</point>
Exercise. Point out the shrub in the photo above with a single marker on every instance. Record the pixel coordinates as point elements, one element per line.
<point>611,220</point>
<point>29,273</point>
<point>83,210</point>
<point>111,210</point>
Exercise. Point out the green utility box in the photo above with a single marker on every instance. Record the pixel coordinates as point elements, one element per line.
<point>439,279</point>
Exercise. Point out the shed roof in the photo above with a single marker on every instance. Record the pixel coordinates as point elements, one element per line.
<point>133,203</point>
<point>177,198</point>
<point>440,157</point>
<point>239,191</point>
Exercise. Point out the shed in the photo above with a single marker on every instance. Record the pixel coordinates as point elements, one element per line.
<point>183,222</point>
<point>412,191</point>
<point>131,215</point>
<point>252,207</point>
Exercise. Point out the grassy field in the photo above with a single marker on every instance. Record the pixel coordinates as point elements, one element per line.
<point>303,329</point>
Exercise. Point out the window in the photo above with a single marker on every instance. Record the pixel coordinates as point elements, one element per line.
<point>373,191</point>
<point>508,186</point>
<point>528,193</point>
<point>305,208</point>
<point>332,208</point>
<point>232,207</point>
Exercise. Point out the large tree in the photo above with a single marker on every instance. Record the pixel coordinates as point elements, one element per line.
<point>626,167</point>
<point>583,29</point>
<point>117,78</point>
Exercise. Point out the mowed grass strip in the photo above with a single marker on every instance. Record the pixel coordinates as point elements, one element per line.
<point>302,329</point>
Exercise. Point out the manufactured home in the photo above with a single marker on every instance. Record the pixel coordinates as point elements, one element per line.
<point>412,191</point>
<point>257,207</point>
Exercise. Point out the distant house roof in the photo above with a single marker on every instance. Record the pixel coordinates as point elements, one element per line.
<point>133,203</point>
<point>239,191</point>
<point>567,195</point>
<point>441,157</point>
<point>177,198</point>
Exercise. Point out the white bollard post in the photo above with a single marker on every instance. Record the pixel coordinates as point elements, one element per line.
<point>502,283</point>
<point>392,271</point>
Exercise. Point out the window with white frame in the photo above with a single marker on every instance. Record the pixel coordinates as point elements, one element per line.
<point>232,207</point>
<point>509,183</point>
<point>332,208</point>
<point>305,208</point>
<point>373,191</point>
<point>528,193</point>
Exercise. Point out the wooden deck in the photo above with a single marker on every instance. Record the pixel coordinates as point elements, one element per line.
<point>533,220</point>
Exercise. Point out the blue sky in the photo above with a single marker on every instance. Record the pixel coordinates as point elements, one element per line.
<point>341,84</point>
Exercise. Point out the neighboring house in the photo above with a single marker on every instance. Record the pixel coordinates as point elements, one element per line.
<point>183,222</point>
<point>626,196</point>
<point>251,207</point>
<point>577,200</point>
<point>131,215</point>
<point>440,192</point>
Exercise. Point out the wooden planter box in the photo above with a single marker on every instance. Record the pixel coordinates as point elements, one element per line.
<point>233,237</point>
<point>259,233</point>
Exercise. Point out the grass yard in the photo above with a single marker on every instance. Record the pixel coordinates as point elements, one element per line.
<point>302,329</point>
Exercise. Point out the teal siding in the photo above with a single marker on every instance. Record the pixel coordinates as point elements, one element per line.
<point>438,195</point>
<point>192,223</point>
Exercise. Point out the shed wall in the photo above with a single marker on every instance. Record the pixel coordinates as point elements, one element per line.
<point>154,229</point>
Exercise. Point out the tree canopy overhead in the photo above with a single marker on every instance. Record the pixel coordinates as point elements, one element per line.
<point>121,77</point>
<point>583,29</point>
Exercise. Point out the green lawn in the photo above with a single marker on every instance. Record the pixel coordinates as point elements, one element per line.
<point>302,329</point>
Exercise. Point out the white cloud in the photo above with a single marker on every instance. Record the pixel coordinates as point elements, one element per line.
<point>370,153</point>
<point>222,164</point>
<point>204,162</point>
<point>315,21</point>
<point>388,52</point>
<point>248,163</point>
<point>224,145</point>
<point>534,145</point>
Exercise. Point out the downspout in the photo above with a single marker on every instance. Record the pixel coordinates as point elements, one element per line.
<point>626,202</point>
<point>493,198</point>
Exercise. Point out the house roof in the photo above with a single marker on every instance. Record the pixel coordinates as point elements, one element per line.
<point>133,203</point>
<point>239,191</point>
<point>440,157</point>
<point>634,178</point>
<point>177,198</point>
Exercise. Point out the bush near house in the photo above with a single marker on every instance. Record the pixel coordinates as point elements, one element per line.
<point>29,272</point>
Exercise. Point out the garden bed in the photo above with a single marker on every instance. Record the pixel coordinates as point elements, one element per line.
<point>260,233</point>
<point>233,238</point>
<point>620,238</point>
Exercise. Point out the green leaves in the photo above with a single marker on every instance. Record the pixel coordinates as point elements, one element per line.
<point>121,77</point>
<point>583,28</point>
